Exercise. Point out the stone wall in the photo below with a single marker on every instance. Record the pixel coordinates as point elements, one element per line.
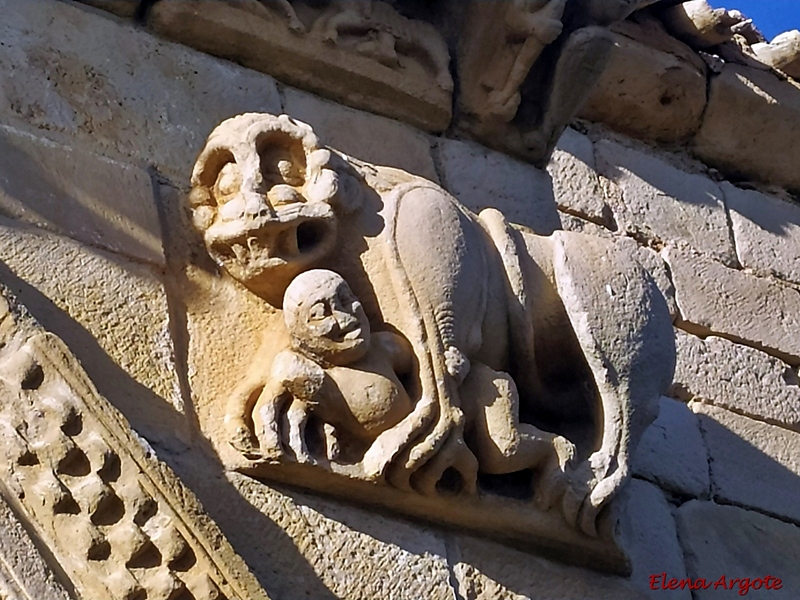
<point>100,124</point>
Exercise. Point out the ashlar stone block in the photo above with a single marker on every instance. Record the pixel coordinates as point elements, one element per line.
<point>755,311</point>
<point>742,379</point>
<point>648,93</point>
<point>752,126</point>
<point>362,135</point>
<point>92,199</point>
<point>481,178</point>
<point>766,230</point>
<point>730,542</point>
<point>753,464</point>
<point>672,454</point>
<point>485,570</point>
<point>576,184</point>
<point>149,100</point>
<point>664,203</point>
<point>354,553</point>
<point>647,532</point>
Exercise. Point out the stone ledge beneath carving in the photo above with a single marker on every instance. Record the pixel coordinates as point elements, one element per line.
<point>515,521</point>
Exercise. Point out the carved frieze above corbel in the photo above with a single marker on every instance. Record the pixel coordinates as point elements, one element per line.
<point>117,521</point>
<point>363,53</point>
<point>415,355</point>
<point>526,66</point>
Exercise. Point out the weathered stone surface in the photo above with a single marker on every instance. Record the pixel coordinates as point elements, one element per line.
<point>149,100</point>
<point>699,24</point>
<point>766,231</point>
<point>736,543</point>
<point>655,265</point>
<point>349,233</point>
<point>648,93</point>
<point>92,199</point>
<point>647,534</point>
<point>485,570</point>
<point>122,8</point>
<point>354,553</point>
<point>649,258</point>
<point>388,64</point>
<point>783,53</point>
<point>364,136</point>
<point>672,453</point>
<point>576,184</point>
<point>752,126</point>
<point>113,314</point>
<point>23,572</point>
<point>714,299</point>
<point>482,178</point>
<point>663,203</point>
<point>752,464</point>
<point>736,377</point>
<point>115,521</point>
<point>570,222</point>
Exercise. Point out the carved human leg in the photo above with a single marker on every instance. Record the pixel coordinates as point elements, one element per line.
<point>238,414</point>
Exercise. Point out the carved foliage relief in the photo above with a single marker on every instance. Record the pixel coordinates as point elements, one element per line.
<point>416,355</point>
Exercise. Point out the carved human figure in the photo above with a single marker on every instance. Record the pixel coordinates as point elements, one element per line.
<point>569,327</point>
<point>530,26</point>
<point>384,32</point>
<point>335,368</point>
<point>350,379</point>
<point>265,8</point>
<point>526,66</point>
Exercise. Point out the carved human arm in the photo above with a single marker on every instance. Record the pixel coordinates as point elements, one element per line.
<point>239,411</point>
<point>291,389</point>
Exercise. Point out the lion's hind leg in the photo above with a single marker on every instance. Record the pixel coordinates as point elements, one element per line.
<point>503,444</point>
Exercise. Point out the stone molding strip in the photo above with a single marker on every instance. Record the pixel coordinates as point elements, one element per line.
<point>116,519</point>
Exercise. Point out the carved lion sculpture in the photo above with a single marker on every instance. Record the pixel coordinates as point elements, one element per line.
<point>569,329</point>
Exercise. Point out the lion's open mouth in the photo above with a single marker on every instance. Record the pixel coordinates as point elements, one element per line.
<point>275,243</point>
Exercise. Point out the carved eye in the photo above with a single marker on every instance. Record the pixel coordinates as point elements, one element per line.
<point>317,312</point>
<point>229,182</point>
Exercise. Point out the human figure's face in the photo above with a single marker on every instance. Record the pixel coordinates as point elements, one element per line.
<point>331,323</point>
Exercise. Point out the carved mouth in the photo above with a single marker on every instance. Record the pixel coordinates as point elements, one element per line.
<point>297,236</point>
<point>272,247</point>
<point>352,334</point>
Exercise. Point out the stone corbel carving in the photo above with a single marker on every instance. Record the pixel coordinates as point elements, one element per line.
<point>441,363</point>
<point>526,66</point>
<point>699,24</point>
<point>336,48</point>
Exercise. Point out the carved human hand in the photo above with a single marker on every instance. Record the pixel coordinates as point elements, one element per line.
<point>543,23</point>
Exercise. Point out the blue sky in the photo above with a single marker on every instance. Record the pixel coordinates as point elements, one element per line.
<point>770,16</point>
